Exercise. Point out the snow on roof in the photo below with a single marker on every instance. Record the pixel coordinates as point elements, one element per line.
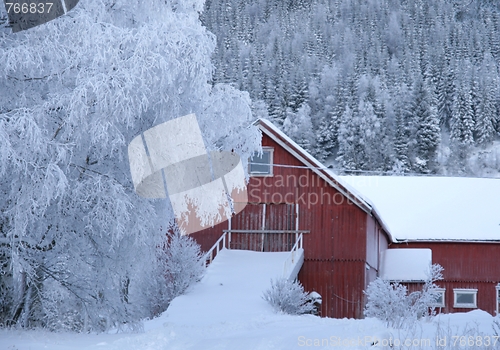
<point>405,265</point>
<point>434,208</point>
<point>313,163</point>
<point>333,179</point>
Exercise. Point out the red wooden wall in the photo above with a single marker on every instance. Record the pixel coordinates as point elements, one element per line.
<point>466,266</point>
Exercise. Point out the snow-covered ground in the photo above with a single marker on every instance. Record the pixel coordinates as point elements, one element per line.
<point>225,311</point>
<point>268,331</point>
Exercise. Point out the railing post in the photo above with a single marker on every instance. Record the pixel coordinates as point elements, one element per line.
<point>229,226</point>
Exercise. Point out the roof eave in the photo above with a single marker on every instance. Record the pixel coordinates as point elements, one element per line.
<point>432,240</point>
<point>279,137</point>
<point>311,162</point>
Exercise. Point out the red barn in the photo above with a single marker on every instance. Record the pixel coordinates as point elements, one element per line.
<point>291,193</point>
<point>458,219</point>
<point>349,227</point>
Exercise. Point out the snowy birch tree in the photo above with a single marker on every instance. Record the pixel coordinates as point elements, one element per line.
<point>79,249</point>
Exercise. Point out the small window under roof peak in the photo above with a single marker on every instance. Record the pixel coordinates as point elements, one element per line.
<point>261,164</point>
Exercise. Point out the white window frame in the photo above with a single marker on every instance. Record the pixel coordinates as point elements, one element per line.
<point>465,291</point>
<point>497,297</point>
<point>442,291</point>
<point>271,162</point>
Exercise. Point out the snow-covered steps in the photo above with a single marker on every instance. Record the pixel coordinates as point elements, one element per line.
<point>232,288</point>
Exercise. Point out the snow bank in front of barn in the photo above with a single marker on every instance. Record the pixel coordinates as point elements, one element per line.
<point>270,331</point>
<point>238,318</point>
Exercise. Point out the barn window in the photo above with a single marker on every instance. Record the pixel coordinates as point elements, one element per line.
<point>440,301</point>
<point>261,164</point>
<point>466,298</point>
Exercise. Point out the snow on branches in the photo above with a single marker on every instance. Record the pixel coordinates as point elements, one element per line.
<point>74,237</point>
<point>289,297</point>
<point>391,303</point>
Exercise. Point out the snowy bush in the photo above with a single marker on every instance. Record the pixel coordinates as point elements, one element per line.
<point>387,301</point>
<point>288,297</point>
<point>391,303</point>
<point>183,267</point>
<point>496,325</point>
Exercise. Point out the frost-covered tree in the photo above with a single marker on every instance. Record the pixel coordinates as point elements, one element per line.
<point>351,148</point>
<point>486,109</point>
<point>427,131</point>
<point>79,249</point>
<point>332,45</point>
<point>462,125</point>
<point>288,297</point>
<point>370,134</point>
<point>298,126</point>
<point>402,141</point>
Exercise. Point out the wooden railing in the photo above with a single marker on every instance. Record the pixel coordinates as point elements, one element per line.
<point>268,241</point>
<point>293,256</point>
<point>263,240</point>
<point>212,253</point>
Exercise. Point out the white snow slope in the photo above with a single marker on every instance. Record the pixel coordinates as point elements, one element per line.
<point>225,311</point>
<point>230,290</point>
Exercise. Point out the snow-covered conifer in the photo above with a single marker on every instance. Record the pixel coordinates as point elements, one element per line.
<point>426,123</point>
<point>298,126</point>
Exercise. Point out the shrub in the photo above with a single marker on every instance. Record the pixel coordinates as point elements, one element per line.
<point>390,302</point>
<point>288,297</point>
<point>183,267</point>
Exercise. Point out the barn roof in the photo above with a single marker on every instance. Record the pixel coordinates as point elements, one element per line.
<point>317,167</point>
<point>405,265</point>
<point>434,208</point>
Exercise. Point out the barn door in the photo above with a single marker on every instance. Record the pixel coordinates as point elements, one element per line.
<point>265,227</point>
<point>279,218</point>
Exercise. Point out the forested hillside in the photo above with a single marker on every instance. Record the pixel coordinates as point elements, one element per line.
<point>401,86</point>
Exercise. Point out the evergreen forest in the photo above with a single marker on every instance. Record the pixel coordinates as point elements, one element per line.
<point>370,86</point>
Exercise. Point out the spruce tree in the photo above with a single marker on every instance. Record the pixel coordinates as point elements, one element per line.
<point>486,110</point>
<point>427,131</point>
<point>462,125</point>
<point>351,150</point>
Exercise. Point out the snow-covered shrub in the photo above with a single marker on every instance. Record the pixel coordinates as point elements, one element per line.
<point>288,297</point>
<point>422,302</point>
<point>387,301</point>
<point>496,325</point>
<point>391,303</point>
<point>183,267</point>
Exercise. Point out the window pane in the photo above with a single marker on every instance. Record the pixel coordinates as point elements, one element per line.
<point>261,164</point>
<point>465,298</point>
<point>439,300</point>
